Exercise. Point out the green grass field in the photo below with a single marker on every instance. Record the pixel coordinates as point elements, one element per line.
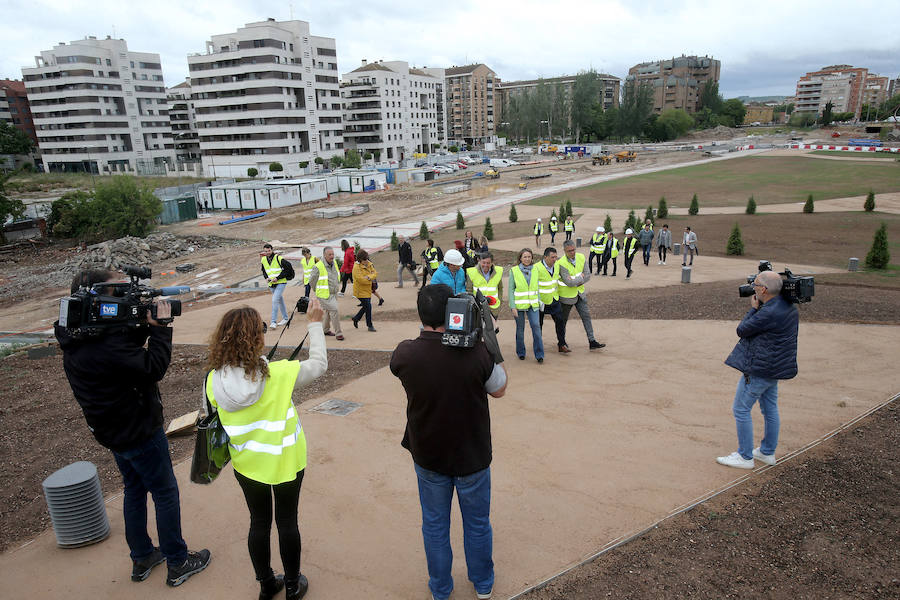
<point>852,155</point>
<point>770,180</point>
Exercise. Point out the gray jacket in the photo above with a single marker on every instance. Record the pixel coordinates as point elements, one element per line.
<point>645,237</point>
<point>664,239</point>
<point>690,239</point>
<point>572,281</point>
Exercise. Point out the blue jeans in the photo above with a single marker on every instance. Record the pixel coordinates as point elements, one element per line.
<point>474,495</point>
<point>306,289</point>
<point>765,391</point>
<point>647,249</point>
<point>533,316</point>
<point>278,301</point>
<point>148,468</point>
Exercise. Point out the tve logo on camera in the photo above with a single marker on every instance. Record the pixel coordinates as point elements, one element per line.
<point>456,320</point>
<point>109,310</point>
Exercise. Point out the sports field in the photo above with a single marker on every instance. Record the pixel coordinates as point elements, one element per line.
<point>769,179</point>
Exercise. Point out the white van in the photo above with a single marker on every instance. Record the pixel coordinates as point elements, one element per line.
<point>501,162</point>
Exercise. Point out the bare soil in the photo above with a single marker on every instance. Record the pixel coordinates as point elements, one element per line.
<point>823,525</point>
<point>40,413</point>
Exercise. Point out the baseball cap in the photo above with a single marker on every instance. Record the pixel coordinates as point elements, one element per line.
<point>453,257</point>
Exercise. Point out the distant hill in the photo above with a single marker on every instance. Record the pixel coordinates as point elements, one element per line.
<point>746,99</point>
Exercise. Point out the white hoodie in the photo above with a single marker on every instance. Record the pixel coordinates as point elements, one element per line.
<point>233,390</point>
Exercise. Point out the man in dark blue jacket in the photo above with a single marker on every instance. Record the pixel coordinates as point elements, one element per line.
<point>766,352</point>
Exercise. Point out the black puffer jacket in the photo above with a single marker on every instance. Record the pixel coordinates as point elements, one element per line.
<point>114,379</point>
<point>768,344</point>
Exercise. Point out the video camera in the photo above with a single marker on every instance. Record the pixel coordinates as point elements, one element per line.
<point>468,320</point>
<point>103,306</point>
<point>795,290</point>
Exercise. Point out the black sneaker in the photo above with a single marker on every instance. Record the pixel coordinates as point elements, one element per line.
<point>297,588</point>
<point>140,569</point>
<point>195,562</point>
<point>595,345</point>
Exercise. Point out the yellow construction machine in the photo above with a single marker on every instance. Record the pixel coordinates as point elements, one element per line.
<point>601,159</point>
<point>492,174</point>
<point>625,156</point>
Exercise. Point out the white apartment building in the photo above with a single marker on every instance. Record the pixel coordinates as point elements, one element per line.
<point>266,93</point>
<point>392,110</point>
<point>184,128</point>
<point>99,107</point>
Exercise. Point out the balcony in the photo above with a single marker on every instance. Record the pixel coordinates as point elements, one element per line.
<point>364,117</point>
<point>372,83</point>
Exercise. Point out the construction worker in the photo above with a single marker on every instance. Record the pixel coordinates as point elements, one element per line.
<point>487,279</point>
<point>629,247</point>
<point>570,227</point>
<point>538,232</point>
<point>554,227</point>
<point>598,247</point>
<point>308,262</point>
<point>548,294</point>
<point>271,268</point>
<point>612,251</point>
<point>433,257</point>
<point>325,279</point>
<point>573,274</point>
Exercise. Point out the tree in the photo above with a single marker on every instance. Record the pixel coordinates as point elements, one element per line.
<point>460,222</point>
<point>303,164</point>
<point>13,140</point>
<point>352,160</point>
<point>732,112</point>
<point>607,223</point>
<point>336,161</point>
<point>488,229</point>
<point>423,231</point>
<point>71,215</point>
<point>751,206</point>
<point>569,212</point>
<point>671,123</point>
<point>828,113</point>
<point>869,205</point>
<point>695,206</point>
<point>584,95</point>
<point>9,207</point>
<point>637,104</point>
<point>377,154</point>
<point>513,216</point>
<point>735,246</point>
<point>648,215</point>
<point>631,221</point>
<point>802,119</point>
<point>562,212</point>
<point>809,207</point>
<point>395,243</point>
<point>879,256</point>
<point>126,207</point>
<point>251,172</point>
<point>453,149</point>
<point>553,214</point>
<point>663,211</point>
<point>276,167</point>
<point>367,156</point>
<point>319,161</point>
<point>709,96</point>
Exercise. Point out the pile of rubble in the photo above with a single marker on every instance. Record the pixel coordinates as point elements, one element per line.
<point>719,132</point>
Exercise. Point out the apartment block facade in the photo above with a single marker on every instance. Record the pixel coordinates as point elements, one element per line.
<point>848,88</point>
<point>392,110</point>
<point>677,82</point>
<point>268,92</point>
<point>14,107</point>
<point>184,127</point>
<point>472,103</point>
<point>608,93</point>
<point>99,107</point>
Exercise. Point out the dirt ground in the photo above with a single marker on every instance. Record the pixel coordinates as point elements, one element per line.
<point>39,410</point>
<point>824,525</point>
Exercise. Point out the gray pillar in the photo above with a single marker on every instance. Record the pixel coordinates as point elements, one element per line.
<point>578,242</point>
<point>854,264</point>
<point>685,274</point>
<point>677,250</point>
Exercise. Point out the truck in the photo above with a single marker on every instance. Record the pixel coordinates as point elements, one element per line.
<point>625,156</point>
<point>601,158</point>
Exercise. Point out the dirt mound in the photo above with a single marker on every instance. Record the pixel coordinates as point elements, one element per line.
<point>719,132</point>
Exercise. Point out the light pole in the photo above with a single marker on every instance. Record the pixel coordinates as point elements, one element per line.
<point>548,131</point>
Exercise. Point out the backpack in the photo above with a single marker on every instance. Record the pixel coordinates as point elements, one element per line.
<point>287,269</point>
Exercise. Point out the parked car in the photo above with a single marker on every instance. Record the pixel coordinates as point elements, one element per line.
<point>516,151</point>
<point>462,165</point>
<point>468,160</point>
<point>443,169</point>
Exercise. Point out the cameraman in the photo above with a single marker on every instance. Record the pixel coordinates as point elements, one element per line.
<point>114,379</point>
<point>766,352</point>
<point>448,433</point>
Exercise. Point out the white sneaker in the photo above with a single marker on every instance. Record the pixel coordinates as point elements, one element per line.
<point>664,262</point>
<point>736,460</point>
<point>340,294</point>
<point>273,325</point>
<point>659,263</point>
<point>486,596</point>
<point>282,322</point>
<point>768,459</point>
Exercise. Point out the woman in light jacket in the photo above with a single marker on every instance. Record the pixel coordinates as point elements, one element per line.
<point>266,440</point>
<point>663,243</point>
<point>364,275</point>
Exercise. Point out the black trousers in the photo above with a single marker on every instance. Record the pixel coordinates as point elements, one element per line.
<point>591,258</point>
<point>628,261</point>
<point>606,259</point>
<point>560,324</point>
<point>662,253</point>
<point>345,277</point>
<point>569,235</point>
<point>259,501</point>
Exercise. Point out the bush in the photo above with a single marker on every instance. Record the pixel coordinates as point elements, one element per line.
<point>735,246</point>
<point>303,164</point>
<point>695,206</point>
<point>488,229</point>
<point>453,149</point>
<point>377,154</point>
<point>607,224</point>
<point>460,222</point>
<point>367,156</point>
<point>319,160</point>
<point>569,208</point>
<point>395,243</point>
<point>751,206</point>
<point>513,215</point>
<point>423,231</point>
<point>809,207</point>
<point>335,162</point>
<point>869,205</point>
<point>663,211</point>
<point>251,172</point>
<point>9,207</point>
<point>119,206</point>
<point>562,212</point>
<point>276,167</point>
<point>879,256</point>
<point>648,216</point>
<point>631,221</point>
<point>352,160</point>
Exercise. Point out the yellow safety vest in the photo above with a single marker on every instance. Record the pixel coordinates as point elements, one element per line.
<point>570,225</point>
<point>308,268</point>
<point>526,293</point>
<point>629,249</point>
<point>598,244</point>
<point>613,247</point>
<point>273,268</point>
<point>566,291</point>
<point>538,228</point>
<point>322,282</point>
<point>266,440</point>
<point>488,287</point>
<point>554,226</point>
<point>432,255</point>
<point>548,283</point>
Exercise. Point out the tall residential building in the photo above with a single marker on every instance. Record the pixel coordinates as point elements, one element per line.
<point>392,109</point>
<point>268,92</point>
<point>607,93</point>
<point>14,107</point>
<point>99,107</point>
<point>875,91</point>
<point>184,128</point>
<point>677,82</point>
<point>848,88</point>
<point>893,87</point>
<point>472,103</point>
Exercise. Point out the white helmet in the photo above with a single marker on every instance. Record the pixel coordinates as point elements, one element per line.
<point>539,219</point>
<point>553,218</point>
<point>453,257</point>
<point>601,230</point>
<point>628,231</point>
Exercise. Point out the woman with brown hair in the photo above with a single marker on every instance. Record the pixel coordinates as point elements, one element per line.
<point>524,300</point>
<point>364,275</point>
<point>266,440</point>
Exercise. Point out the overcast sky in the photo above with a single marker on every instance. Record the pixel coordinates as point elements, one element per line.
<point>764,46</point>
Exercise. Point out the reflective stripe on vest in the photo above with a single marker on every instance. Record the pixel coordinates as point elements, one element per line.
<point>431,254</point>
<point>548,283</point>
<point>267,442</point>
<point>538,228</point>
<point>526,292</point>
<point>570,225</point>
<point>613,247</point>
<point>598,244</point>
<point>488,287</point>
<point>629,252</point>
<point>322,282</point>
<point>554,226</point>
<point>566,291</point>
<point>273,268</point>
<point>308,268</point>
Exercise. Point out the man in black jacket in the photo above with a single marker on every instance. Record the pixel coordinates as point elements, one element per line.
<point>114,379</point>
<point>404,251</point>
